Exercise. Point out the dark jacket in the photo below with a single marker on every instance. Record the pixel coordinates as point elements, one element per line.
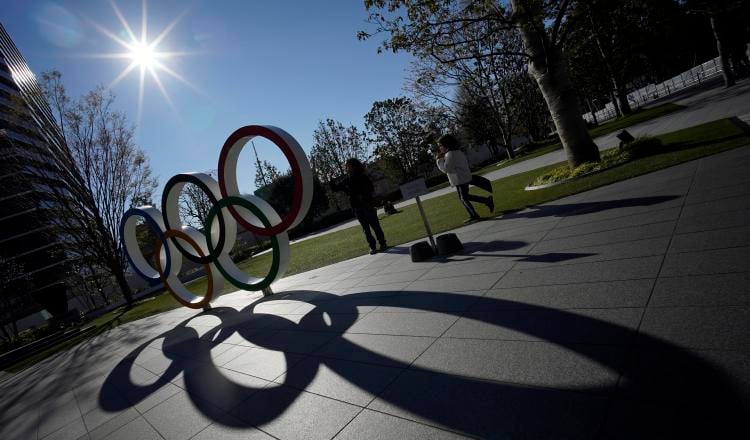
<point>359,189</point>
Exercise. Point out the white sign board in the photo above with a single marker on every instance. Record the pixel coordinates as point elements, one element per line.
<point>413,189</point>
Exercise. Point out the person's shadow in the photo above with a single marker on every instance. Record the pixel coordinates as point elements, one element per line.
<point>571,209</point>
<point>664,391</point>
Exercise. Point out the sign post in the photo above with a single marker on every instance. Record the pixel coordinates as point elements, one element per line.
<point>414,189</point>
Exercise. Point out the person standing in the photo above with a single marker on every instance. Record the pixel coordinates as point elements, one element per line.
<point>452,161</point>
<point>359,188</point>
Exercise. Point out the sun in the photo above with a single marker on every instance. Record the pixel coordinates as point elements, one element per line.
<point>144,55</point>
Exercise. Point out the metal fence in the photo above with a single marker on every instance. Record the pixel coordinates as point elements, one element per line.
<point>652,92</point>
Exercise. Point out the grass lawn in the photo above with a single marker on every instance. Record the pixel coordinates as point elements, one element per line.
<point>445,212</point>
<point>603,129</point>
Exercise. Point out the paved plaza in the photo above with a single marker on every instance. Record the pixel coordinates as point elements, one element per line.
<point>621,312</point>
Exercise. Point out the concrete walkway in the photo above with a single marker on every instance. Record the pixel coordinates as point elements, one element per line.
<point>622,312</point>
<point>703,106</point>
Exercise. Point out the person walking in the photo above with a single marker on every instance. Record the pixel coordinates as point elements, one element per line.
<point>359,188</point>
<point>452,161</point>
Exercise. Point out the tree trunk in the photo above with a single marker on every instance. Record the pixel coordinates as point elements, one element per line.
<point>726,70</point>
<point>547,66</point>
<point>508,145</point>
<point>592,110</point>
<point>615,104</point>
<point>122,283</point>
<point>622,99</point>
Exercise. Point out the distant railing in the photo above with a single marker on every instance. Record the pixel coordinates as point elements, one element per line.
<point>652,92</point>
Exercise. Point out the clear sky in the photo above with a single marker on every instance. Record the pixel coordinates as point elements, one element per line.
<point>284,63</point>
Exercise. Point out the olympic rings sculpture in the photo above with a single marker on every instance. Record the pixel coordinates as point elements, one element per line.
<point>229,209</point>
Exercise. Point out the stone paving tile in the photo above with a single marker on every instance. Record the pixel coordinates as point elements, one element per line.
<point>501,244</point>
<point>707,262</point>
<point>456,284</point>
<point>710,221</point>
<point>405,266</point>
<point>606,294</point>
<point>408,324</point>
<point>98,416</point>
<point>493,265</point>
<point>719,328</point>
<point>702,290</point>
<point>618,251</point>
<point>671,200</point>
<point>231,428</point>
<point>673,393</point>
<point>288,413</point>
<point>716,206</point>
<point>394,351</point>
<point>299,342</point>
<point>265,364</point>
<point>220,387</point>
<point>88,393</point>
<point>607,237</point>
<point>22,425</point>
<point>362,273</point>
<point>703,194</point>
<point>634,268</point>
<point>352,382</point>
<point>378,289</point>
<point>193,414</point>
<point>708,240</point>
<point>490,410</point>
<point>347,304</point>
<point>137,429</point>
<point>72,430</point>
<point>395,277</point>
<point>581,326</point>
<point>409,302</point>
<point>736,366</point>
<point>728,176</point>
<point>514,224</point>
<point>538,364</point>
<point>113,424</point>
<point>656,216</point>
<point>227,353</point>
<point>56,412</point>
<point>144,403</point>
<point>373,425</point>
<point>476,408</point>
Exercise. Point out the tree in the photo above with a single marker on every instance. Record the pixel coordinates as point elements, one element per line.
<point>717,12</point>
<point>493,83</point>
<point>333,145</point>
<point>397,130</point>
<point>14,299</point>
<point>265,173</point>
<point>194,204</point>
<point>436,29</point>
<point>280,192</point>
<point>101,173</point>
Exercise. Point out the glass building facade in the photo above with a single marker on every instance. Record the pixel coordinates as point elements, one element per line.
<point>28,239</point>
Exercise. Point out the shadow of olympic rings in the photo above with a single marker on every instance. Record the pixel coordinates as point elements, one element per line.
<point>665,391</point>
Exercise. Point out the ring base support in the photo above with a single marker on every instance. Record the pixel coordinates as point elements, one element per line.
<point>448,244</point>
<point>421,251</point>
<point>267,291</point>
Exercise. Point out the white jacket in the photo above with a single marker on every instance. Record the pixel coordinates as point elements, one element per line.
<point>455,165</point>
